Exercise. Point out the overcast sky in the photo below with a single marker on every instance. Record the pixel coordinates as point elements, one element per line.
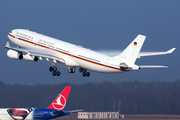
<point>96,24</point>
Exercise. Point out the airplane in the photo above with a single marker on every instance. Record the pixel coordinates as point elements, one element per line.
<point>33,46</point>
<point>55,109</point>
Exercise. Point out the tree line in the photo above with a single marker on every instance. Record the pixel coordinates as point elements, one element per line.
<point>127,97</point>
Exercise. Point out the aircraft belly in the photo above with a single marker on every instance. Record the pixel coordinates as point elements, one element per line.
<point>96,67</point>
<point>90,66</point>
<point>113,70</point>
<point>100,67</point>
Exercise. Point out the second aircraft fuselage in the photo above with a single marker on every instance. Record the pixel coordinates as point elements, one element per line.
<point>30,113</point>
<point>73,55</point>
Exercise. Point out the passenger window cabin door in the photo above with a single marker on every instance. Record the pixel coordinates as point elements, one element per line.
<point>72,53</point>
<point>36,41</point>
<point>106,63</point>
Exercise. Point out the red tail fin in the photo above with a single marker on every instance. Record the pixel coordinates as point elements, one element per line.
<point>60,101</point>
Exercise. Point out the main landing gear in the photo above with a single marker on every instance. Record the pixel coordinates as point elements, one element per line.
<point>71,69</point>
<point>54,71</point>
<point>84,72</point>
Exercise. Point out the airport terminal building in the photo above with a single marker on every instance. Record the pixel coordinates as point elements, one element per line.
<point>99,115</point>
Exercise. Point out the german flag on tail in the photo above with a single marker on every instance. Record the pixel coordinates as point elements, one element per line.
<point>135,43</point>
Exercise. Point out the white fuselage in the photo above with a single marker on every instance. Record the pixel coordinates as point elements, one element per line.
<point>31,113</point>
<point>73,55</point>
<point>4,114</point>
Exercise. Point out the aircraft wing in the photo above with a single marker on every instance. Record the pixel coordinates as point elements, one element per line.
<point>155,53</point>
<point>38,53</point>
<point>16,49</point>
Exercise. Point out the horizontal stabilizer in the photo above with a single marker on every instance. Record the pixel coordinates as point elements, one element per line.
<point>155,53</point>
<point>153,66</point>
<point>76,110</point>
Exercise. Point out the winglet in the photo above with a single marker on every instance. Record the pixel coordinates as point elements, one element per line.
<point>7,45</point>
<point>171,50</point>
<point>60,101</point>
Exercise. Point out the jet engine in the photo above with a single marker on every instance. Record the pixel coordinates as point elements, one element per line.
<point>14,54</point>
<point>30,58</point>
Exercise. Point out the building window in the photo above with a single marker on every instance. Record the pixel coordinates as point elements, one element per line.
<point>93,116</point>
<point>108,115</point>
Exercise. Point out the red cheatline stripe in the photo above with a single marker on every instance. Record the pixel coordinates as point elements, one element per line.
<point>11,35</point>
<point>67,54</point>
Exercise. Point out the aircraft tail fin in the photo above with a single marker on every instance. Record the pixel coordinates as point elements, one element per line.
<point>60,101</point>
<point>130,54</point>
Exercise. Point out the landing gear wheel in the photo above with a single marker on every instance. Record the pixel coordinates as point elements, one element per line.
<point>58,73</point>
<point>84,74</point>
<point>54,73</point>
<point>81,69</point>
<point>88,74</point>
<point>71,70</point>
<point>51,69</point>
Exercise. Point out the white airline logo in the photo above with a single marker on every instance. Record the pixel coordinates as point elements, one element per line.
<point>60,102</point>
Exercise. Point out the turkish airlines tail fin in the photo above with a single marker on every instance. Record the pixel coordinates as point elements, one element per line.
<point>130,54</point>
<point>60,101</point>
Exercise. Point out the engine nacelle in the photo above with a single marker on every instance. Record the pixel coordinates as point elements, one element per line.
<point>14,54</point>
<point>30,58</point>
